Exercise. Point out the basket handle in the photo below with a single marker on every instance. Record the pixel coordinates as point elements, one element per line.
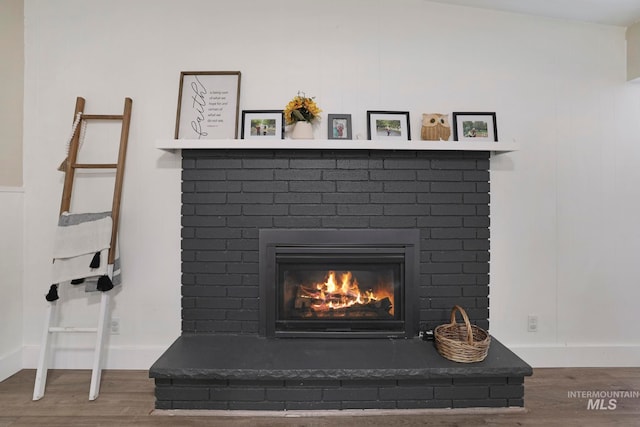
<point>466,322</point>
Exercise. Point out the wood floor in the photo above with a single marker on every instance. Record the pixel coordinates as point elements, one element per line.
<point>126,399</point>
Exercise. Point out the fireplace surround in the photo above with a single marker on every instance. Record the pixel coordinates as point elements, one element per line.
<point>338,283</point>
<point>228,358</point>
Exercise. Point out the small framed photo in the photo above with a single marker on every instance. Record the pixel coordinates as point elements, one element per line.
<point>475,127</point>
<point>262,124</point>
<point>339,126</point>
<point>208,105</point>
<point>393,125</point>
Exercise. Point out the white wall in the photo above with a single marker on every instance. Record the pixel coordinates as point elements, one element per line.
<point>563,207</point>
<point>633,51</point>
<point>11,212</point>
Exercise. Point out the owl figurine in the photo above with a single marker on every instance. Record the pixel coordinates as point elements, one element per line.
<point>435,127</point>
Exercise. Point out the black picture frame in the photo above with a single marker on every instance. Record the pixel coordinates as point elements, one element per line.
<point>475,126</point>
<point>339,126</point>
<point>388,125</point>
<point>253,120</point>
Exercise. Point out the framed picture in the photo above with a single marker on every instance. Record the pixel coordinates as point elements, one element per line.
<point>475,127</point>
<point>339,126</point>
<point>262,124</point>
<point>393,125</point>
<point>208,105</point>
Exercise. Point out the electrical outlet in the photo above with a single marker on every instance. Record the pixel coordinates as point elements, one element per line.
<point>115,326</point>
<point>532,323</point>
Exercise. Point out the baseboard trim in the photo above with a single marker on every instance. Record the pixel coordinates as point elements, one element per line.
<point>130,358</point>
<point>579,356</point>
<point>10,364</point>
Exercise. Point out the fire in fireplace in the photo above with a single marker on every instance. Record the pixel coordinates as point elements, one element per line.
<point>338,283</point>
<point>331,294</point>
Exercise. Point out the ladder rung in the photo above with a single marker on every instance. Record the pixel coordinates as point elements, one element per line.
<point>102,117</point>
<point>71,329</point>
<point>95,165</point>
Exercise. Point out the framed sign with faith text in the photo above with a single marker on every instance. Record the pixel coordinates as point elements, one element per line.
<point>208,105</point>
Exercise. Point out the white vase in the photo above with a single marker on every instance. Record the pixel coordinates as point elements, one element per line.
<point>302,130</point>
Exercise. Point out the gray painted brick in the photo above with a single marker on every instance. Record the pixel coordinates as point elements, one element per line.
<point>297,222</point>
<point>404,198</point>
<point>345,222</point>
<point>439,175</point>
<point>461,392</point>
<point>312,186</point>
<point>462,164</point>
<point>406,393</point>
<point>476,175</point>
<point>203,175</point>
<point>219,163</point>
<point>440,291</point>
<point>359,210</point>
<point>292,198</point>
<point>265,163</point>
<point>264,210</point>
<point>515,403</point>
<point>406,187</point>
<point>250,175</point>
<point>406,210</point>
<point>407,164</point>
<point>454,210</point>
<point>204,198</point>
<point>340,198</point>
<point>507,392</point>
<point>353,164</point>
<point>359,187</point>
<point>345,175</point>
<point>218,186</point>
<point>294,394</point>
<point>243,315</point>
<point>393,222</point>
<point>356,393</point>
<point>182,393</point>
<point>218,210</point>
<point>298,175</point>
<point>264,186</point>
<point>312,163</point>
<point>392,175</point>
<point>312,210</point>
<point>453,187</point>
<point>252,198</point>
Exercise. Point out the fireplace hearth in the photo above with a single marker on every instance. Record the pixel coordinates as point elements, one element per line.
<point>338,283</point>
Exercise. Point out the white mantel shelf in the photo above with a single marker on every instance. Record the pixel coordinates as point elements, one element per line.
<point>330,144</point>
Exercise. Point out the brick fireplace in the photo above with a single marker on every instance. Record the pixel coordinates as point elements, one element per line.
<point>231,197</point>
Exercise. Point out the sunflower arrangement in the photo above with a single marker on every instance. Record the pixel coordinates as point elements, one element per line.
<point>301,108</point>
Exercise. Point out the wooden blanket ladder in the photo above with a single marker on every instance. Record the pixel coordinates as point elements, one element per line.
<point>70,166</point>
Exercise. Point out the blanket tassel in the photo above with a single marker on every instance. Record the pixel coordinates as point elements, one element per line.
<point>104,284</point>
<point>53,293</point>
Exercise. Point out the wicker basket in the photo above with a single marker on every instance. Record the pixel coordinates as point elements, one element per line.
<point>462,342</point>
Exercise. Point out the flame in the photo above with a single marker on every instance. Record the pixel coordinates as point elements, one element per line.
<point>341,291</point>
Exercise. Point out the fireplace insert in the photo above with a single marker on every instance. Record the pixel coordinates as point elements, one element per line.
<point>338,283</point>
